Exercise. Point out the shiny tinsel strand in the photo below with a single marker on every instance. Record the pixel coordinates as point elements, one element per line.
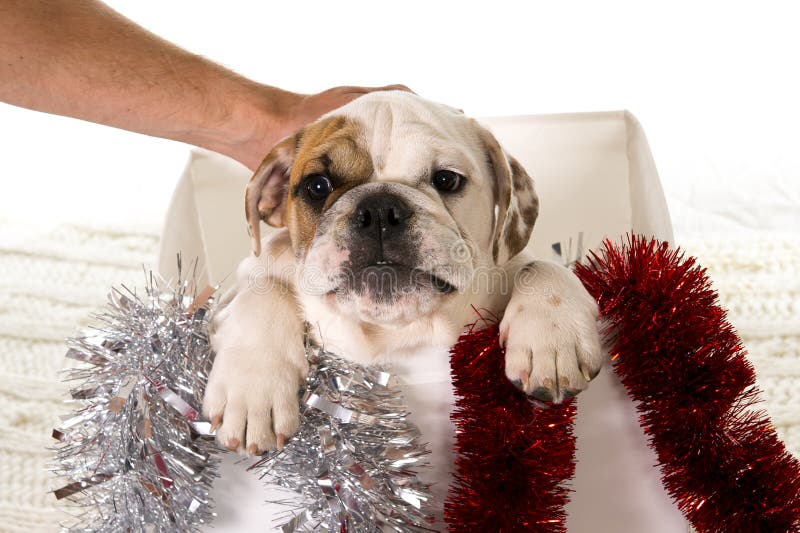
<point>683,363</point>
<point>135,454</point>
<point>514,455</point>
<point>355,457</point>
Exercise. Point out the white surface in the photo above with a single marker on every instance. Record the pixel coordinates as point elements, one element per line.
<point>736,199</point>
<point>49,281</point>
<point>594,174</point>
<point>712,82</point>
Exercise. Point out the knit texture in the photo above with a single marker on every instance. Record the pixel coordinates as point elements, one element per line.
<point>758,280</point>
<point>50,281</point>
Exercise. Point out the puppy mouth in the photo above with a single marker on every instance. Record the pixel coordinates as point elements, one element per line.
<point>387,279</point>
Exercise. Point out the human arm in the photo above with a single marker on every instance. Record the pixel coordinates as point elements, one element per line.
<point>82,59</point>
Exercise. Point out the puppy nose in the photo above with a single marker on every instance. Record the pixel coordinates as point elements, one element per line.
<point>381,215</point>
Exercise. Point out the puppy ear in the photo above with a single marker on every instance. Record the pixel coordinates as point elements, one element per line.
<point>515,199</point>
<point>265,196</point>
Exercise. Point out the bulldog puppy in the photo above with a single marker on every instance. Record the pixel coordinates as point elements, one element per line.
<point>399,217</point>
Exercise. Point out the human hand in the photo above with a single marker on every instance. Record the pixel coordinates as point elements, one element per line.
<point>282,113</point>
<point>307,108</point>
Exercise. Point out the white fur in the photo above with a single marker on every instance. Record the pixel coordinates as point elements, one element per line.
<point>549,332</point>
<point>549,327</point>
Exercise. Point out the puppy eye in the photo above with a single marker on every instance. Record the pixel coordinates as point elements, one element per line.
<point>318,186</point>
<point>447,180</point>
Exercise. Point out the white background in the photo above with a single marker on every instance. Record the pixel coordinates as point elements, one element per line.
<point>714,85</point>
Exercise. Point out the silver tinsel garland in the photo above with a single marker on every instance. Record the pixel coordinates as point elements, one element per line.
<point>135,453</point>
<point>355,456</point>
<point>138,457</point>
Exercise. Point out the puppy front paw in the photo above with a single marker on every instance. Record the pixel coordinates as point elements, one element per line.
<point>550,334</point>
<point>251,398</point>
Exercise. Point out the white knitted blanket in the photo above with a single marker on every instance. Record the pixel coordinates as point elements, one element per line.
<point>52,279</point>
<point>758,280</point>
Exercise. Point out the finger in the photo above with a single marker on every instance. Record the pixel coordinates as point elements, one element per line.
<point>395,87</point>
<point>365,90</point>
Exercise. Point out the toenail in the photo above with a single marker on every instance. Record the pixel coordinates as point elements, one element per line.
<point>570,393</point>
<point>542,393</point>
<point>589,376</point>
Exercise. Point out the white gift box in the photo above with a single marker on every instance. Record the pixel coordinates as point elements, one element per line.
<point>595,175</point>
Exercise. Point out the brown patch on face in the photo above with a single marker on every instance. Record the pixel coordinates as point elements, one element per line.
<point>333,147</point>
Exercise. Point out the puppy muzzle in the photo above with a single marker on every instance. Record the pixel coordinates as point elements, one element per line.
<point>385,251</point>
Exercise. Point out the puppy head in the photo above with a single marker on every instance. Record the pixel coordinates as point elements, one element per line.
<point>394,204</point>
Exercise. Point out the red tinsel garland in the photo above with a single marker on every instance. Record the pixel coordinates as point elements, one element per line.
<point>512,457</point>
<point>683,364</point>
